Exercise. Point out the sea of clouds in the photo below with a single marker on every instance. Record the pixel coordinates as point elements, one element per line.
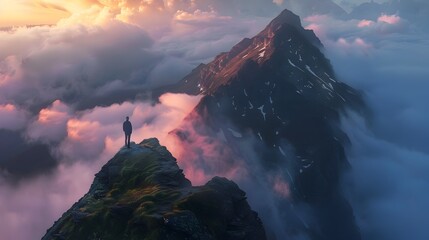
<point>70,85</point>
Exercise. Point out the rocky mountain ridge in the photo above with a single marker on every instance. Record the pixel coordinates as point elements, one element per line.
<point>141,193</point>
<point>279,89</point>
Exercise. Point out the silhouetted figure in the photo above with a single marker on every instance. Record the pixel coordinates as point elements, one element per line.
<point>128,129</point>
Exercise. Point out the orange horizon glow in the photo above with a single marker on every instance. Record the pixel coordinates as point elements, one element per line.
<point>38,12</point>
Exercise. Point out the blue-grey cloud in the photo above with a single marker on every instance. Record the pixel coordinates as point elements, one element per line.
<point>88,66</point>
<point>389,152</point>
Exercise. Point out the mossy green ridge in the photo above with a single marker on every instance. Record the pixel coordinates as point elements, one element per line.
<point>141,193</point>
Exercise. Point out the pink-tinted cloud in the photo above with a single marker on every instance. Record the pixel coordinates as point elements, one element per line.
<point>204,154</point>
<point>278,2</point>
<point>357,42</point>
<point>12,118</point>
<point>317,28</point>
<point>51,123</point>
<point>389,19</point>
<point>316,24</point>
<point>85,140</point>
<point>360,42</point>
<point>355,46</point>
<point>181,102</point>
<point>281,187</point>
<point>89,133</point>
<point>322,25</point>
<point>67,62</point>
<point>365,23</point>
<point>358,37</point>
<point>92,137</point>
<point>33,205</point>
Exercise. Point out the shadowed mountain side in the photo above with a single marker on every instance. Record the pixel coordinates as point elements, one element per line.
<point>206,78</point>
<point>279,89</point>
<point>142,194</point>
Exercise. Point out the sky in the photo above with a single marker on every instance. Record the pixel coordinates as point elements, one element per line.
<point>67,83</point>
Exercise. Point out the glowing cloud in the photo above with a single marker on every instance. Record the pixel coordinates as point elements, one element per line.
<point>365,23</point>
<point>317,24</point>
<point>278,2</point>
<point>204,154</point>
<point>99,130</point>
<point>389,19</point>
<point>89,139</point>
<point>199,16</point>
<point>357,43</point>
<point>51,123</point>
<point>281,187</point>
<point>181,102</point>
<point>12,118</point>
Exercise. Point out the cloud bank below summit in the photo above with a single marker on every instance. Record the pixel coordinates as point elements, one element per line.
<point>386,58</point>
<point>88,140</point>
<point>70,85</point>
<point>80,66</point>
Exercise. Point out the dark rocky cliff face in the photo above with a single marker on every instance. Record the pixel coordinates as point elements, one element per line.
<point>142,194</point>
<point>280,89</point>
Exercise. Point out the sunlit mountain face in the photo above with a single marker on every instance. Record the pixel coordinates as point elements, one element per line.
<point>322,120</point>
<point>272,105</point>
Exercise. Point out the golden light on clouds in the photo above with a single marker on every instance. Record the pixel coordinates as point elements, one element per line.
<point>38,12</point>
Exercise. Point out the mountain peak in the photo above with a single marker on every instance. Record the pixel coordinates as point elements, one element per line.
<point>275,39</point>
<point>141,193</point>
<point>286,17</point>
<point>280,91</point>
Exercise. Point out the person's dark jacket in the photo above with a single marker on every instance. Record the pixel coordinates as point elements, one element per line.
<point>128,129</point>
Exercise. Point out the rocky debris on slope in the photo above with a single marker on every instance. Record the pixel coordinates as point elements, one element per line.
<point>142,194</point>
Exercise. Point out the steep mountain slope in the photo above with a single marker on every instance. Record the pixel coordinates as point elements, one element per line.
<point>279,89</point>
<point>142,194</point>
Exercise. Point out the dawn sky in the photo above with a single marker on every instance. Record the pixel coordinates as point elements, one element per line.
<point>37,12</point>
<point>66,86</point>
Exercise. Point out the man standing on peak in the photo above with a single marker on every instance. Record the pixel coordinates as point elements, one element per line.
<point>128,129</point>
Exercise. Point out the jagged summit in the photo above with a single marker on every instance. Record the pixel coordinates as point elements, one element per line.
<point>283,38</point>
<point>285,17</point>
<point>289,19</point>
<point>141,193</point>
<point>280,89</point>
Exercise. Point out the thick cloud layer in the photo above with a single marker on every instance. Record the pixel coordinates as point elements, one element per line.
<point>91,138</point>
<point>204,153</point>
<point>73,63</point>
<point>386,58</point>
<point>93,58</point>
<point>12,117</point>
<point>387,186</point>
<point>65,89</point>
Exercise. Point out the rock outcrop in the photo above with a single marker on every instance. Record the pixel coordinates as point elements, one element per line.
<point>142,194</point>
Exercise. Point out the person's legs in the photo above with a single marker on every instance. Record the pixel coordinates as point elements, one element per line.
<point>129,140</point>
<point>126,141</point>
